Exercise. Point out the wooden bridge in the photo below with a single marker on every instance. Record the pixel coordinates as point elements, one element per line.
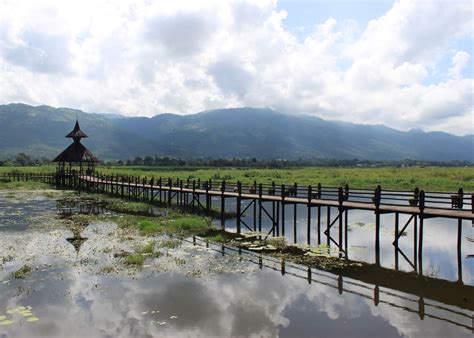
<point>270,201</point>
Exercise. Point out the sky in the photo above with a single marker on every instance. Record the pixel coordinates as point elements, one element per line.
<point>405,64</point>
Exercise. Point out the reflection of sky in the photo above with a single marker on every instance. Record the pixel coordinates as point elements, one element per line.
<point>72,301</point>
<point>439,238</point>
<point>261,303</point>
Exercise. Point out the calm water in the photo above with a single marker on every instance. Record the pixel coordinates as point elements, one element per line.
<point>197,291</point>
<point>440,256</point>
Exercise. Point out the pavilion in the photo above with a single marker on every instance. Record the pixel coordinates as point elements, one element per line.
<point>76,156</point>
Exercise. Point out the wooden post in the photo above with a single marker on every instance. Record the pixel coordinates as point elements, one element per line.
<point>420,239</point>
<point>295,188</point>
<point>194,194</point>
<point>282,193</point>
<point>260,208</point>
<point>308,230</point>
<point>273,218</point>
<point>346,230</point>
<point>255,212</point>
<point>328,223</point>
<point>208,197</point>
<point>459,251</point>
<point>222,204</point>
<point>160,183</point>
<point>319,214</point>
<point>341,210</point>
<point>397,221</point>
<point>377,199</point>
<point>239,196</point>
<point>170,184</point>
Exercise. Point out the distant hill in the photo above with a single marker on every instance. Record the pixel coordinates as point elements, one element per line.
<point>239,132</point>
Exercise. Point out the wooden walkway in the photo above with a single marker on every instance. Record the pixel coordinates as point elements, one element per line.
<point>269,203</point>
<point>426,212</point>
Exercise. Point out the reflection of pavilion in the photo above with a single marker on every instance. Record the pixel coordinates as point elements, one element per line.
<point>77,240</point>
<point>394,288</point>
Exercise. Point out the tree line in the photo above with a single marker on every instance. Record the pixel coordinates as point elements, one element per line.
<point>23,159</point>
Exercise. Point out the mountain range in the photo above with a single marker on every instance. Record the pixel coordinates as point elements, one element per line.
<point>223,133</point>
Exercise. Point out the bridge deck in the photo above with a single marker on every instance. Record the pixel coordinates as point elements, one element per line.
<point>383,208</point>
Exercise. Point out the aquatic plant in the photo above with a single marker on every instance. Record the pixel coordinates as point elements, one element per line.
<point>22,272</point>
<point>135,259</point>
<point>170,243</point>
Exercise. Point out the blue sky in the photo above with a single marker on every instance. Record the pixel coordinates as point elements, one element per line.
<point>406,63</point>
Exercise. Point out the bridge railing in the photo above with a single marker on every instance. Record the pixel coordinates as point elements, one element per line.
<point>379,197</point>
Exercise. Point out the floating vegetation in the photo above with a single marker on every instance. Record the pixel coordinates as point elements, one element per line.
<point>22,272</point>
<point>107,269</point>
<point>20,311</point>
<point>7,259</point>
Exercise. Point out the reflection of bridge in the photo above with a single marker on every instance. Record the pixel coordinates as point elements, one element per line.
<point>381,285</point>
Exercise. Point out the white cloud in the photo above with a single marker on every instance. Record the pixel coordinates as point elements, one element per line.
<point>144,58</point>
<point>459,61</point>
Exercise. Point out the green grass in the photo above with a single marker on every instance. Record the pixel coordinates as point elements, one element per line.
<point>120,205</point>
<point>148,248</point>
<point>216,238</point>
<point>30,185</point>
<point>149,227</point>
<point>135,259</point>
<point>427,178</point>
<point>190,222</point>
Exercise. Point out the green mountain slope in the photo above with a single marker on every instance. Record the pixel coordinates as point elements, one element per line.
<point>240,132</point>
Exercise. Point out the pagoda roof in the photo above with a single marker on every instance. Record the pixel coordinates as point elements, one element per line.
<point>76,132</point>
<point>76,152</point>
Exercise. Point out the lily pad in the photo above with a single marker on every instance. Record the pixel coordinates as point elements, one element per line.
<point>6,322</point>
<point>32,319</point>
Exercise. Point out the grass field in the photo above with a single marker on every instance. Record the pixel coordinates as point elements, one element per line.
<point>428,178</point>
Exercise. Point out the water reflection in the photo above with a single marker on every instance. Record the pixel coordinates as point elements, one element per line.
<point>260,300</point>
<point>439,254</point>
<point>263,303</point>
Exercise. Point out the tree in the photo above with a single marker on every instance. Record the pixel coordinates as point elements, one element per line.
<point>138,161</point>
<point>23,160</point>
<point>148,161</point>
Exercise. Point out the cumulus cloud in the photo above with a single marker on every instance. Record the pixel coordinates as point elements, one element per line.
<point>143,58</point>
<point>459,61</point>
